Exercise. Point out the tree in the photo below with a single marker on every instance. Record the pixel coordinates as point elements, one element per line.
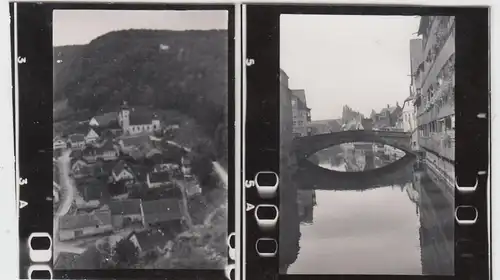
<point>126,255</point>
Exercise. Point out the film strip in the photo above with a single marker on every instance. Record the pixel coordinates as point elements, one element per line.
<point>280,241</point>
<point>53,244</point>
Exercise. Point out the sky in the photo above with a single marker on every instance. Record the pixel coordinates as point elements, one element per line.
<point>74,27</point>
<point>360,61</point>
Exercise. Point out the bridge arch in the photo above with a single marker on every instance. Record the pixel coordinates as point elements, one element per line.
<point>308,145</point>
<point>313,177</point>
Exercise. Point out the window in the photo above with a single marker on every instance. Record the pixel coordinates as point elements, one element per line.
<point>294,102</point>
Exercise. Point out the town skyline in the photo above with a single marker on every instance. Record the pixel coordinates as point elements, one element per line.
<point>381,53</point>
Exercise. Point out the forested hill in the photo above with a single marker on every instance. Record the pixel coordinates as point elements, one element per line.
<point>183,70</point>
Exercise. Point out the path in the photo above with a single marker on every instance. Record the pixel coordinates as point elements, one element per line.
<point>68,195</point>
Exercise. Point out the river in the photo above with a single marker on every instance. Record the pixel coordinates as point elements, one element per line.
<point>400,229</point>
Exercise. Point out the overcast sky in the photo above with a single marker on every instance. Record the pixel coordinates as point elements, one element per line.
<point>360,61</point>
<point>73,27</point>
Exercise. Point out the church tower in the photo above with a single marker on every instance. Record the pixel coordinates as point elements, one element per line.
<point>124,116</point>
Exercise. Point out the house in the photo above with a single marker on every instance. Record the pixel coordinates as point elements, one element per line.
<point>156,212</point>
<point>77,141</point>
<point>80,168</point>
<point>186,166</point>
<point>125,212</point>
<point>128,142</point>
<point>91,136</point>
<point>104,120</point>
<point>90,188</point>
<point>59,143</point>
<point>150,240</point>
<point>77,226</point>
<point>121,172</point>
<point>137,122</point>
<point>157,179</point>
<point>105,151</point>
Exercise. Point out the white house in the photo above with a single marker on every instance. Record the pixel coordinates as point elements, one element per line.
<point>78,165</point>
<point>186,167</point>
<point>121,172</point>
<point>106,151</point>
<point>91,136</point>
<point>59,143</point>
<point>157,179</point>
<point>77,141</point>
<point>81,225</point>
<point>134,122</point>
<point>125,212</point>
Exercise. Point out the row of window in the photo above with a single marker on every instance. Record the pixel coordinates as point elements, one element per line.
<point>298,122</point>
<point>143,128</point>
<point>442,125</point>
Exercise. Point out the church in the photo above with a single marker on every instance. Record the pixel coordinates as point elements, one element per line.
<point>134,122</point>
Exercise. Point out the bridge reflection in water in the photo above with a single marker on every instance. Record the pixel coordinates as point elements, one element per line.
<point>389,220</point>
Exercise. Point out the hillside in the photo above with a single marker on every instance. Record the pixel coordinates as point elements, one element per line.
<point>182,70</point>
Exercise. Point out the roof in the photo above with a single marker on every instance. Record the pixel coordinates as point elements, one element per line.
<point>74,160</point>
<point>138,118</point>
<point>125,207</point>
<point>159,177</point>
<point>149,239</point>
<point>77,137</point>
<point>106,118</point>
<point>57,138</point>
<point>75,154</point>
<point>161,210</point>
<point>85,220</point>
<point>106,146</point>
<point>424,22</point>
<point>135,140</point>
<point>119,167</point>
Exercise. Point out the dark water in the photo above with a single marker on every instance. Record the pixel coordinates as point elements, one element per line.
<point>401,229</point>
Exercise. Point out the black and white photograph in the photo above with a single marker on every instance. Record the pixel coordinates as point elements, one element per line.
<point>140,139</point>
<point>367,144</point>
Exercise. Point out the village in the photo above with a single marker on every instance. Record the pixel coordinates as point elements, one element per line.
<point>119,177</point>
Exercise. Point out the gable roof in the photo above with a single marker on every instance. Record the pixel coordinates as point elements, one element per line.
<point>57,138</point>
<point>161,210</point>
<point>125,207</point>
<point>119,167</point>
<point>99,218</point>
<point>106,118</point>
<point>77,137</point>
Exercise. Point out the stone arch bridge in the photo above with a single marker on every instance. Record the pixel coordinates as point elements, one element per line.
<point>308,145</point>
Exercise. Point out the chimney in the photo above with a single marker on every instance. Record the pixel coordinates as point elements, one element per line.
<point>397,104</point>
<point>387,106</point>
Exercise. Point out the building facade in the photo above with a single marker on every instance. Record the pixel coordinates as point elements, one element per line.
<point>409,110</point>
<point>435,96</point>
<point>300,113</point>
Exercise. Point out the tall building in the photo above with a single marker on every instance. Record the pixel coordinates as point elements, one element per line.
<point>435,96</point>
<point>301,114</point>
<point>409,110</point>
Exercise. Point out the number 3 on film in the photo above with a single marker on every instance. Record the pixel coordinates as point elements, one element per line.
<point>40,253</point>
